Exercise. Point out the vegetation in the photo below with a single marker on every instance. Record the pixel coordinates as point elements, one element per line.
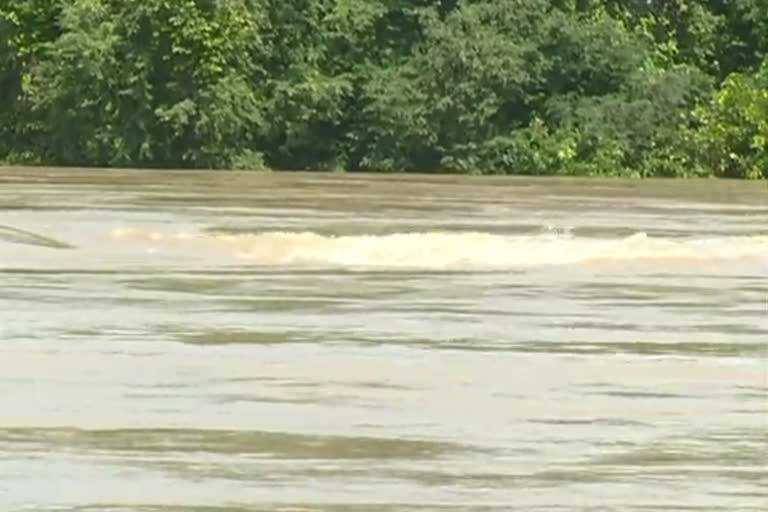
<point>624,87</point>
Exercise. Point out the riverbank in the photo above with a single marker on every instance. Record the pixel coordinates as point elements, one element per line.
<point>391,174</point>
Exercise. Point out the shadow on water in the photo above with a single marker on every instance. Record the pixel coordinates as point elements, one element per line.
<point>230,337</point>
<point>269,444</point>
<point>299,507</point>
<point>645,348</point>
<point>19,236</point>
<point>736,455</point>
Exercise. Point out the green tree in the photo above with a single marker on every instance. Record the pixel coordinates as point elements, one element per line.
<point>25,27</point>
<point>325,53</point>
<point>526,88</point>
<point>733,136</point>
<point>627,87</point>
<point>153,84</point>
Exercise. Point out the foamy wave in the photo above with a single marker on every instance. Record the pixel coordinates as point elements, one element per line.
<point>442,250</point>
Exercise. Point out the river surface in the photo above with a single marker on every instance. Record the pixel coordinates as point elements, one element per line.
<point>211,342</point>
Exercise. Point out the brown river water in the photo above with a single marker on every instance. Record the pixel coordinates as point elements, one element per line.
<point>211,342</point>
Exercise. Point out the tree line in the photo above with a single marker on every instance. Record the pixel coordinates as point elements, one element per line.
<point>580,87</point>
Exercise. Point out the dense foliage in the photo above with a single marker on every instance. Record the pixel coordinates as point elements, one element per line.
<point>629,87</point>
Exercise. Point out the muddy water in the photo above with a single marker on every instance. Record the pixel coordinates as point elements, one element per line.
<point>237,342</point>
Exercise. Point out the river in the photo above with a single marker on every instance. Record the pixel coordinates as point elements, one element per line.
<point>211,342</point>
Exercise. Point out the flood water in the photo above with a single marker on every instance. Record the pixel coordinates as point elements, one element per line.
<point>217,342</point>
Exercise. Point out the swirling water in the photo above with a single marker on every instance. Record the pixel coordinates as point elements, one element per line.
<point>236,342</point>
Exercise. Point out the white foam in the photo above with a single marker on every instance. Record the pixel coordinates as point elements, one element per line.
<point>455,249</point>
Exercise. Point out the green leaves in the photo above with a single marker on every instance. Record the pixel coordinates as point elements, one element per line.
<point>734,127</point>
<point>479,94</point>
<point>25,27</point>
<point>624,87</point>
<point>150,85</point>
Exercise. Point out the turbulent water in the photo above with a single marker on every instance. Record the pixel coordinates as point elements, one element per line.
<point>237,342</point>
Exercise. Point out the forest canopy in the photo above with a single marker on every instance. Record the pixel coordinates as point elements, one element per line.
<point>567,87</point>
